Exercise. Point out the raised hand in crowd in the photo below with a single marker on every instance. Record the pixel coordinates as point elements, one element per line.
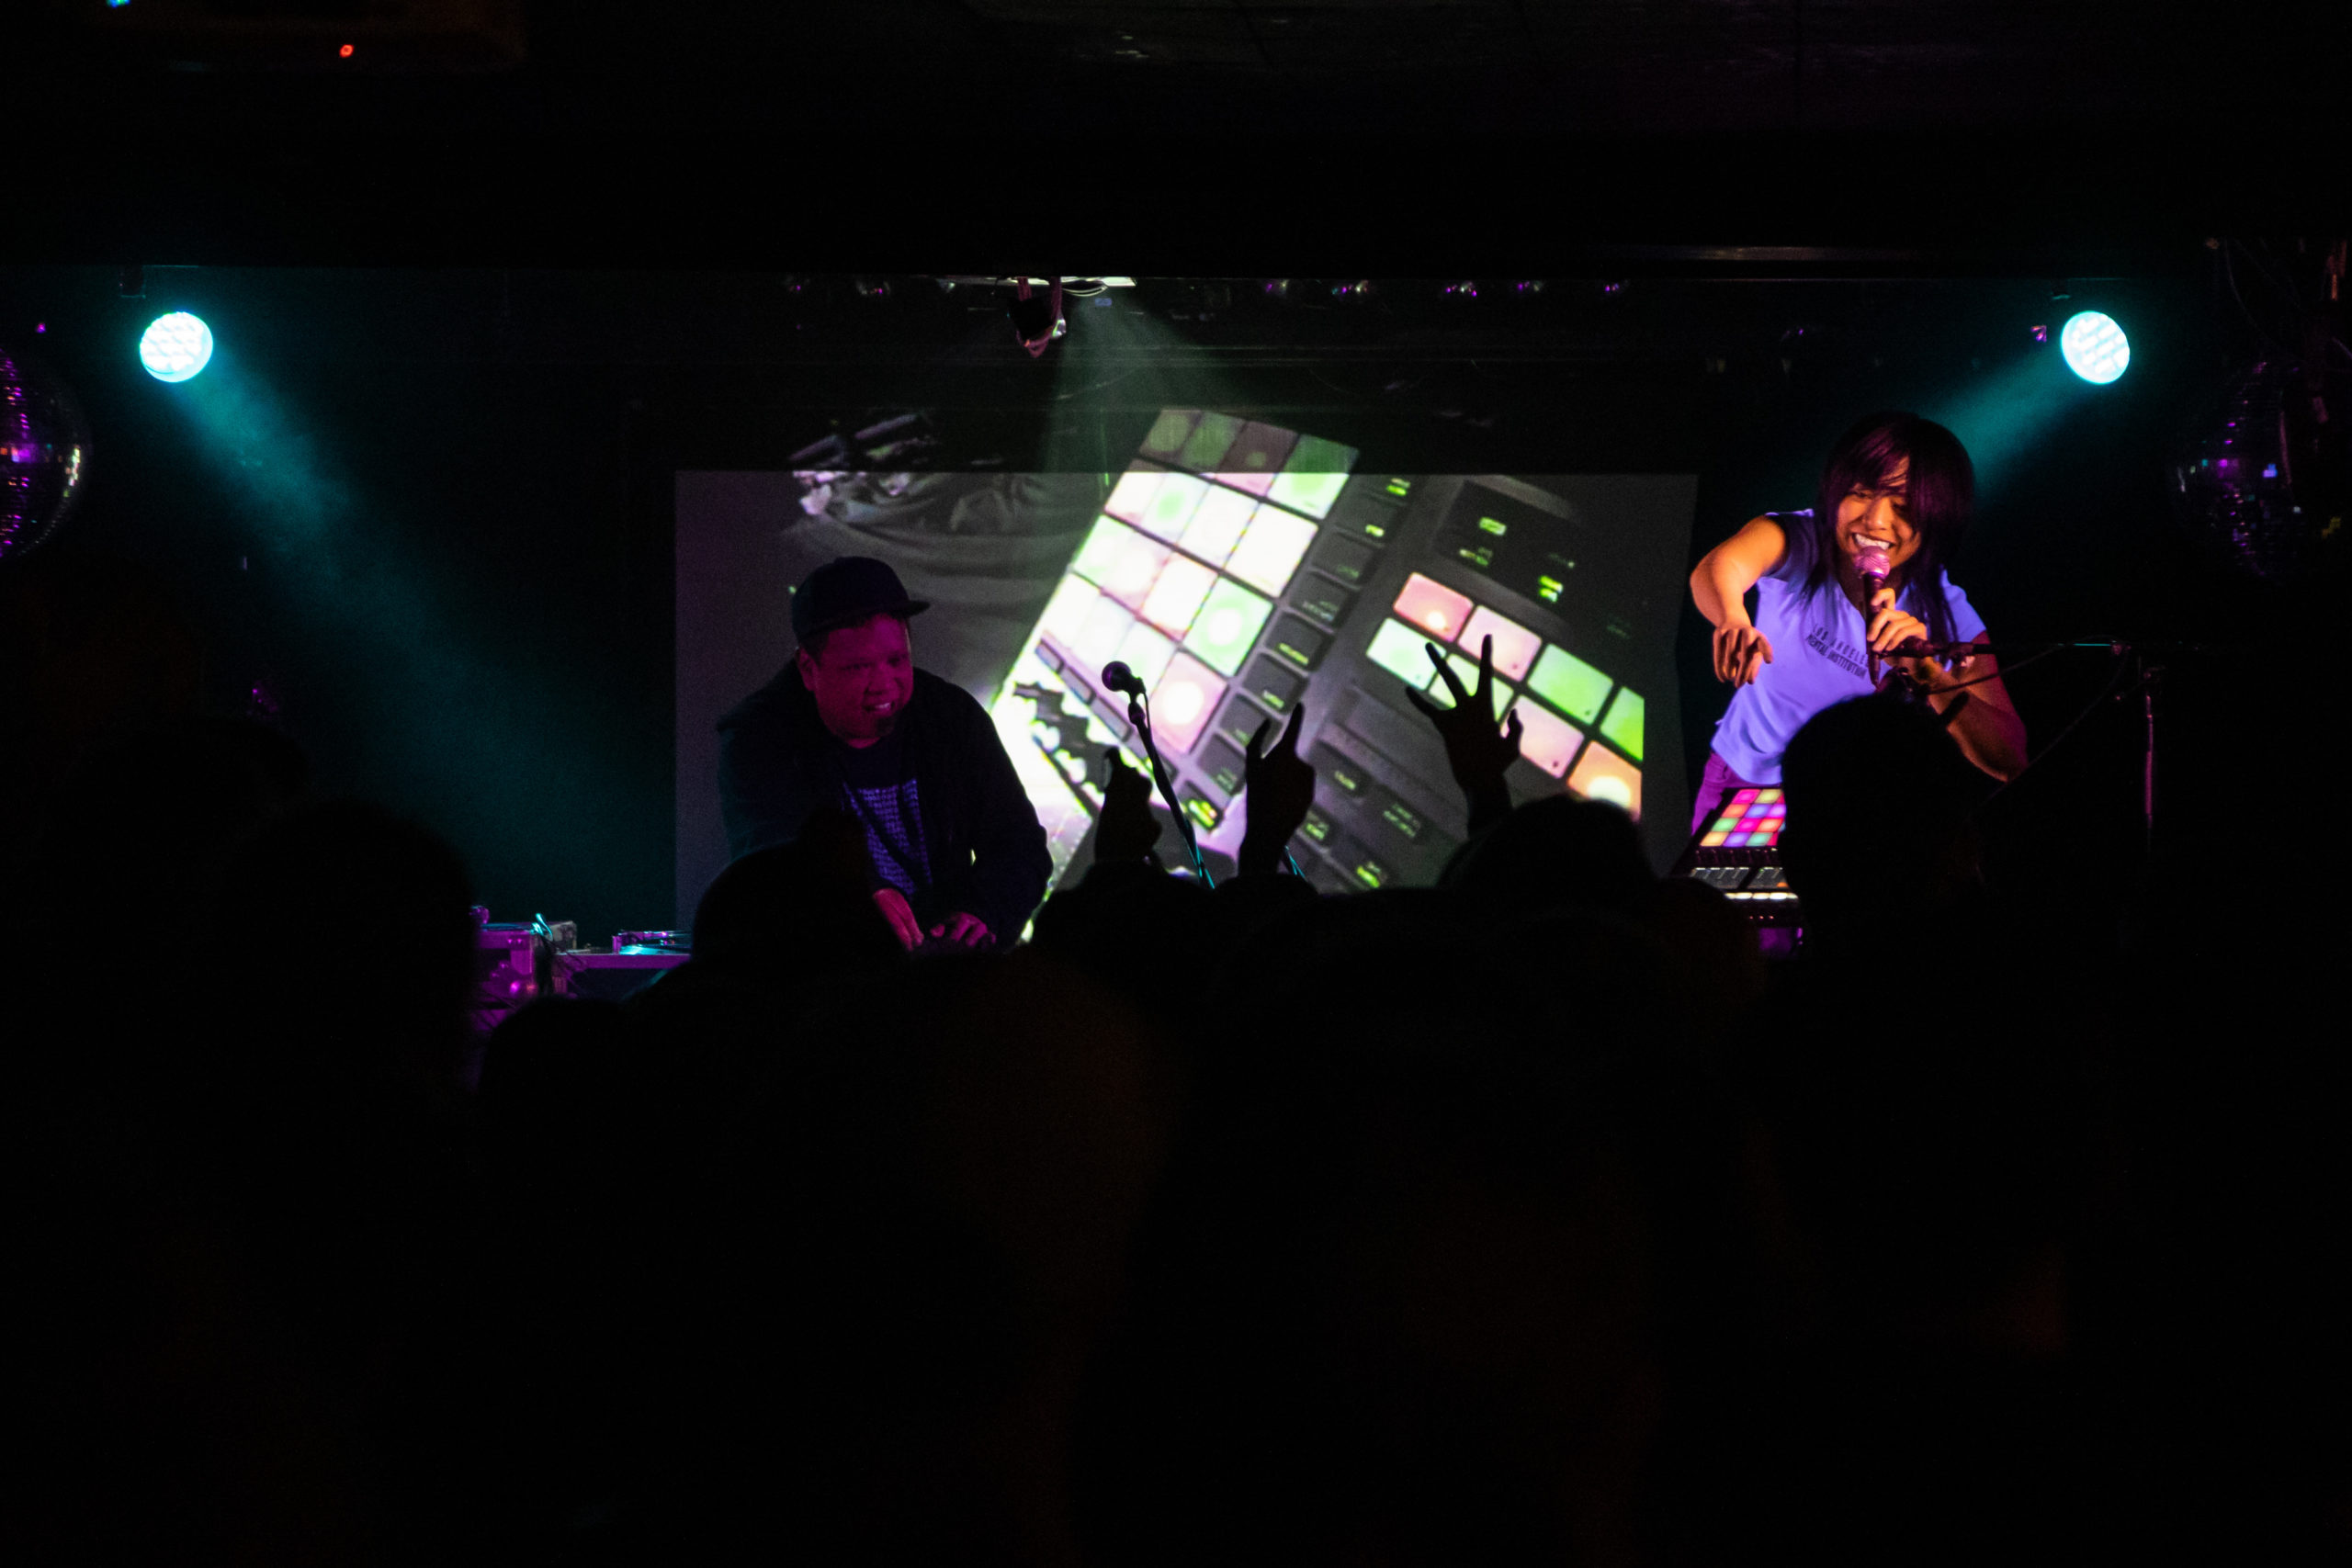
<point>1280,788</point>
<point>1476,748</point>
<point>1126,831</point>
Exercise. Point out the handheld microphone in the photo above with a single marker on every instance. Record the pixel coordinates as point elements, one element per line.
<point>1871,563</point>
<point>1119,678</point>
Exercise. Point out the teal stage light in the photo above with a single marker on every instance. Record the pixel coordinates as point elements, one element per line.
<point>175,346</point>
<point>2095,347</point>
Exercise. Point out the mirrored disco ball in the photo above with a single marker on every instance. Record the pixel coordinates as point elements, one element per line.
<point>2233,478</point>
<point>44,454</point>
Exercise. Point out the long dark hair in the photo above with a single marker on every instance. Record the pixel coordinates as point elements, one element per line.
<point>1941,488</point>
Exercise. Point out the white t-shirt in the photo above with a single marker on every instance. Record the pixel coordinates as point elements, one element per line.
<point>1820,655</point>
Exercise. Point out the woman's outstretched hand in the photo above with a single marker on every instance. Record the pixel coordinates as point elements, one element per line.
<point>1741,652</point>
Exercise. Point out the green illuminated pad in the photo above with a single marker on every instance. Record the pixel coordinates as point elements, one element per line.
<point>1210,441</point>
<point>1569,684</point>
<point>1172,506</point>
<point>1102,550</point>
<point>1402,650</point>
<point>1169,431</point>
<point>1311,481</point>
<point>1623,724</point>
<point>1227,625</point>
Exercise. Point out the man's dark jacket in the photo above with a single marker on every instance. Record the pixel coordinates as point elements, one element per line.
<point>988,854</point>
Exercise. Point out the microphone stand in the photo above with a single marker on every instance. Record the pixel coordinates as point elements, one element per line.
<point>2147,677</point>
<point>2145,683</point>
<point>1142,718</point>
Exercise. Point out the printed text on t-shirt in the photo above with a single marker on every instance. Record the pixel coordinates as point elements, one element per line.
<point>1837,651</point>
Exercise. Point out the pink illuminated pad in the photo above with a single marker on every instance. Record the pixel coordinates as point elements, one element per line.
<point>1066,612</point>
<point>1176,596</point>
<point>1132,497</point>
<point>1181,704</point>
<point>1146,651</point>
<point>1515,646</point>
<point>1435,608</point>
<point>1548,740</point>
<point>1604,775</point>
<point>1132,569</point>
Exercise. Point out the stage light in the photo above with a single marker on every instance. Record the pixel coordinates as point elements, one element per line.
<point>175,346</point>
<point>345,52</point>
<point>2095,347</point>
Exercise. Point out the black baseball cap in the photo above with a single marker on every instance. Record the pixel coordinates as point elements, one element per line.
<point>848,589</point>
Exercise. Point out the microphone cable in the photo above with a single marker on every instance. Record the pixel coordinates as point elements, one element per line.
<point>2123,664</point>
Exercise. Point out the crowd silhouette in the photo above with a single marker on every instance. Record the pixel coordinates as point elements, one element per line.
<point>1532,1217</point>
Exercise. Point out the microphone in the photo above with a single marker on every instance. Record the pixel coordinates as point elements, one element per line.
<point>1871,562</point>
<point>1117,677</point>
<point>1873,565</point>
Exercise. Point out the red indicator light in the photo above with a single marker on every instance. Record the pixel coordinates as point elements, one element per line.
<point>345,51</point>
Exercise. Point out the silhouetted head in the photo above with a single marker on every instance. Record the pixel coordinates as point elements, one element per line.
<point>1553,854</point>
<point>796,909</point>
<point>1879,821</point>
<point>366,919</point>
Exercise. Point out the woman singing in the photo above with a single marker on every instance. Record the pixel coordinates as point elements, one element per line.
<point>1895,482</point>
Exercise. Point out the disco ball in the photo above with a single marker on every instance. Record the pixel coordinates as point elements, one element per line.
<point>2236,481</point>
<point>44,454</point>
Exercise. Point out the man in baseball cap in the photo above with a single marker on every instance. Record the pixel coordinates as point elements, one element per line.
<point>956,851</point>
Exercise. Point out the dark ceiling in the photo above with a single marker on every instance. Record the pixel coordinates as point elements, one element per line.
<point>1184,136</point>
